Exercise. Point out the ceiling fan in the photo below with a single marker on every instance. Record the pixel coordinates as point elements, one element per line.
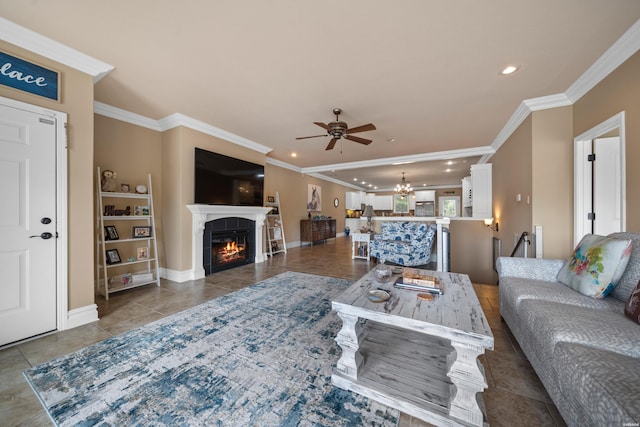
<point>339,129</point>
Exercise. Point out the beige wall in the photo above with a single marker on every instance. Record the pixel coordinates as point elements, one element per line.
<point>133,152</point>
<point>472,250</point>
<point>620,91</point>
<point>512,174</point>
<point>538,160</point>
<point>76,93</point>
<point>292,188</point>
<point>536,163</point>
<point>552,180</point>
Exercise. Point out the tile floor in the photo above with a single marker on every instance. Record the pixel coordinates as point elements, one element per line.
<point>515,395</point>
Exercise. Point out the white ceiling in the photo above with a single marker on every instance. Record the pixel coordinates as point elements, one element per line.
<point>425,72</point>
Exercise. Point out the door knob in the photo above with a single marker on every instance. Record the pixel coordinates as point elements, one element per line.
<point>46,235</point>
<point>45,220</point>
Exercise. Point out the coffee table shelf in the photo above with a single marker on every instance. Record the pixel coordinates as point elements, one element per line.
<point>416,356</point>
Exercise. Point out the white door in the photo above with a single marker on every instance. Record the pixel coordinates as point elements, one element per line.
<point>607,200</point>
<point>27,224</point>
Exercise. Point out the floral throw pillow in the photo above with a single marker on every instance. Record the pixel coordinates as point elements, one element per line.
<point>596,265</point>
<point>632,309</point>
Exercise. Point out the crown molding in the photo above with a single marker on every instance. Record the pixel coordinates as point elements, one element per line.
<point>125,116</point>
<point>335,181</point>
<point>284,165</point>
<point>44,46</point>
<point>177,119</point>
<point>620,51</point>
<point>291,167</point>
<point>439,155</point>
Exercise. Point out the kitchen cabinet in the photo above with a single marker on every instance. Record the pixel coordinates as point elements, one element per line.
<point>383,203</point>
<point>425,196</point>
<point>467,197</point>
<point>354,200</point>
<point>482,204</point>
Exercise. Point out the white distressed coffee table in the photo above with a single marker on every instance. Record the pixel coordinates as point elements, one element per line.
<point>420,357</point>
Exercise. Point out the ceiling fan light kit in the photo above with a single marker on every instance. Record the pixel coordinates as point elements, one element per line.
<point>339,129</point>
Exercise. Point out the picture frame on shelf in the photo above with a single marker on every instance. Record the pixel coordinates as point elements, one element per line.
<point>110,232</point>
<point>143,253</point>
<point>141,210</point>
<point>141,232</point>
<point>113,256</point>
<point>124,188</point>
<point>271,199</point>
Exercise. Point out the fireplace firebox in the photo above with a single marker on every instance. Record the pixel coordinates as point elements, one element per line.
<point>228,243</point>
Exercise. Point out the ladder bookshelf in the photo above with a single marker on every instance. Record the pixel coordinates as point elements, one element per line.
<point>275,228</point>
<point>126,240</point>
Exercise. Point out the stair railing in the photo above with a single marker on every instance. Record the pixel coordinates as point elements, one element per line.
<point>522,240</point>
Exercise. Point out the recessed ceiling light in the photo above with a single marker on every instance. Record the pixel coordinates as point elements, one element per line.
<point>363,182</point>
<point>509,70</point>
<point>370,185</point>
<point>391,140</point>
<point>450,162</point>
<point>448,170</point>
<point>294,154</point>
<point>355,179</point>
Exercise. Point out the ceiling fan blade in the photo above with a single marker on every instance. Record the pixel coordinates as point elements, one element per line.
<point>332,143</point>
<point>359,140</point>
<point>314,136</point>
<point>362,128</point>
<point>322,125</point>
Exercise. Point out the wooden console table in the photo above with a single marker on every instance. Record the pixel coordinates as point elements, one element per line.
<point>420,357</point>
<point>316,230</point>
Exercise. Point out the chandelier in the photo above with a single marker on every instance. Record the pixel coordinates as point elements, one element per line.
<point>403,189</point>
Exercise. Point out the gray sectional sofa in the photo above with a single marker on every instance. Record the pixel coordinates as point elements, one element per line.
<point>585,351</point>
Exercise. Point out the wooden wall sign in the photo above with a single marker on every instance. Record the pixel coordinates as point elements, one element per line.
<point>28,77</point>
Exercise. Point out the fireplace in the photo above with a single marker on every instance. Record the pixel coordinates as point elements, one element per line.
<point>227,243</point>
<point>202,214</point>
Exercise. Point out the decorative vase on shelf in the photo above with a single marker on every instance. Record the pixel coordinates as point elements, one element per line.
<point>382,272</point>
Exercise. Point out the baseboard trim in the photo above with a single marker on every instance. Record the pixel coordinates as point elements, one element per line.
<point>81,316</point>
<point>178,276</point>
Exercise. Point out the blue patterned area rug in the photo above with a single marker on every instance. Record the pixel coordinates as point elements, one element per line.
<point>261,356</point>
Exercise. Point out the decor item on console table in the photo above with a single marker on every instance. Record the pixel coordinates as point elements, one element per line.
<point>580,343</point>
<point>316,230</point>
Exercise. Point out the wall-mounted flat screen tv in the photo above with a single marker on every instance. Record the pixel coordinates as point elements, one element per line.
<point>224,180</point>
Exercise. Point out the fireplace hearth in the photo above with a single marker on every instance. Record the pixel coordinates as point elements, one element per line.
<point>228,243</point>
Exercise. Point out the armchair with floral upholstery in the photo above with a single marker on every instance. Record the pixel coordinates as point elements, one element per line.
<point>407,243</point>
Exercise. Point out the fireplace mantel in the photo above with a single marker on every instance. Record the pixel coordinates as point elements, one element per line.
<point>201,214</point>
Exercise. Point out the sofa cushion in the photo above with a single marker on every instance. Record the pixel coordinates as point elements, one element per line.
<point>632,308</point>
<point>515,290</point>
<point>545,324</point>
<point>631,276</point>
<point>596,266</point>
<point>607,383</point>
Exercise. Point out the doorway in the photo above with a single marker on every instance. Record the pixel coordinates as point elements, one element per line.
<point>33,255</point>
<point>600,181</point>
